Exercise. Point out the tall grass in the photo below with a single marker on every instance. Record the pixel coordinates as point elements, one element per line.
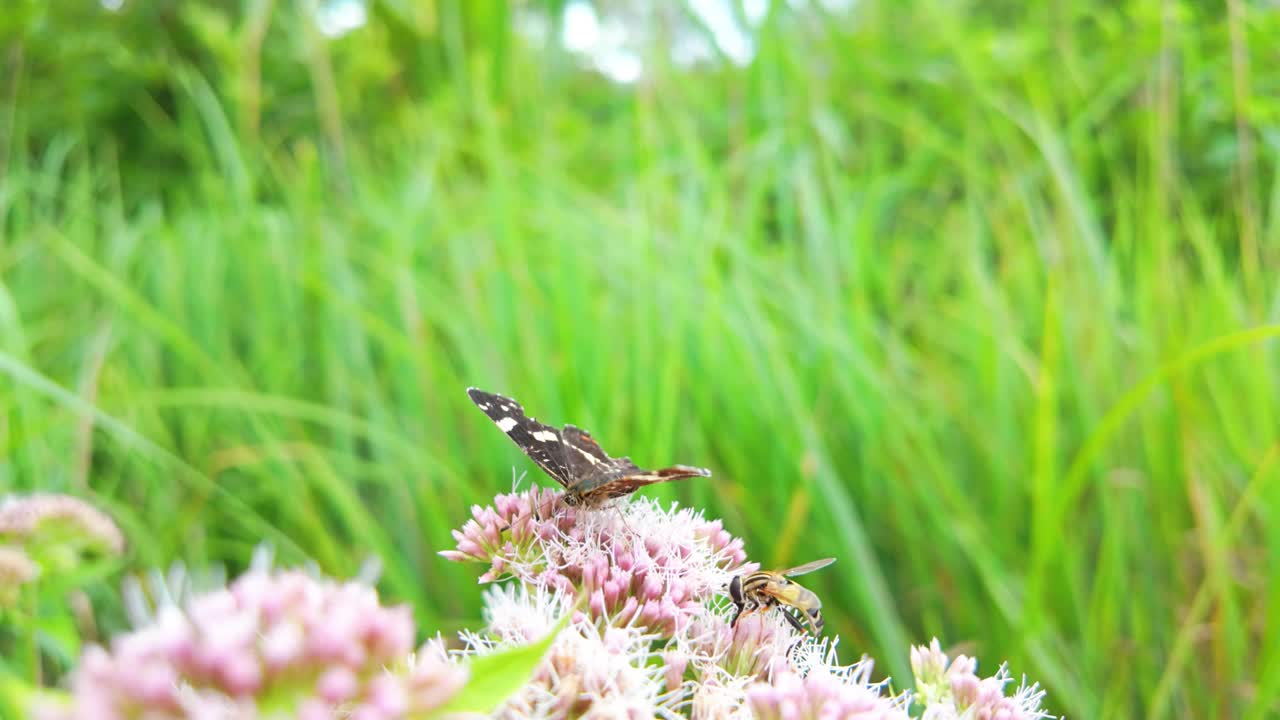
<point>986,309</point>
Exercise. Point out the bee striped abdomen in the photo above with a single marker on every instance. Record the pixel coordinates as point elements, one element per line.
<point>765,589</point>
<point>757,581</point>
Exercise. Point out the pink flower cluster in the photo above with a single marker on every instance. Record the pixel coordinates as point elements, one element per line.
<point>24,518</point>
<point>269,641</point>
<point>635,561</point>
<point>526,520</point>
<point>592,672</point>
<point>952,689</point>
<point>647,635</point>
<point>756,647</point>
<point>593,669</point>
<point>44,534</point>
<point>819,695</point>
<point>15,567</point>
<point>655,639</point>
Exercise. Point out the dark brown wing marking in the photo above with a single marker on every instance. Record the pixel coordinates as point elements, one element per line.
<point>571,456</point>
<point>587,461</point>
<point>629,483</point>
<point>541,442</point>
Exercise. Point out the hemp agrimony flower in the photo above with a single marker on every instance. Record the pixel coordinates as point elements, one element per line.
<point>55,530</point>
<point>952,690</point>
<point>654,637</point>
<point>269,643</point>
<point>15,569</point>
<point>635,561</point>
<point>619,612</point>
<point>646,591</point>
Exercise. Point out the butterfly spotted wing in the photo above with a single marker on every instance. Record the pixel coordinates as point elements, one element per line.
<point>542,443</point>
<point>571,456</point>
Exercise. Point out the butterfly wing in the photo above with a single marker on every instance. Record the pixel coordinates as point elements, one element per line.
<point>627,484</point>
<point>541,442</point>
<point>588,463</point>
<point>807,567</point>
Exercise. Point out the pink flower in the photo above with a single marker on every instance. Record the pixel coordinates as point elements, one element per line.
<point>58,518</point>
<point>15,567</point>
<point>635,561</point>
<point>816,686</point>
<point>316,646</point>
<point>821,695</point>
<point>755,648</point>
<point>432,680</point>
<point>596,671</point>
<point>512,525</point>
<point>951,689</point>
<point>719,695</point>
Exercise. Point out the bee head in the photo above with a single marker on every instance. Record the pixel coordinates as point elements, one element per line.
<point>735,590</point>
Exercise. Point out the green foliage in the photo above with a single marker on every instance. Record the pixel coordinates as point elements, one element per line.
<point>496,677</point>
<point>980,299</point>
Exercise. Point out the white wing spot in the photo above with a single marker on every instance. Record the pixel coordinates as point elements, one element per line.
<point>546,436</point>
<point>505,424</point>
<point>591,458</point>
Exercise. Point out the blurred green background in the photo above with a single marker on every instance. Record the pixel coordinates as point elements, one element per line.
<point>980,297</point>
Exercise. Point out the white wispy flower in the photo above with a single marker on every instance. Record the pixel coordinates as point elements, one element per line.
<point>517,614</point>
<point>952,690</point>
<point>594,671</point>
<point>720,695</point>
<point>817,686</point>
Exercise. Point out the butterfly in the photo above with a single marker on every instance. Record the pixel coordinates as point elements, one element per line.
<point>572,457</point>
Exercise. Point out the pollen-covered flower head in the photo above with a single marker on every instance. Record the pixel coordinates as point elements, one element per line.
<point>951,689</point>
<point>635,561</point>
<point>269,640</point>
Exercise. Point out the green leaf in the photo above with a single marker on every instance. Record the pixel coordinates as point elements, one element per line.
<point>495,677</point>
<point>59,637</point>
<point>16,696</point>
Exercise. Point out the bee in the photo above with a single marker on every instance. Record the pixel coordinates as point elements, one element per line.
<point>764,589</point>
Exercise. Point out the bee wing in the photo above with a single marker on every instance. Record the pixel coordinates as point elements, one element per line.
<point>807,567</point>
